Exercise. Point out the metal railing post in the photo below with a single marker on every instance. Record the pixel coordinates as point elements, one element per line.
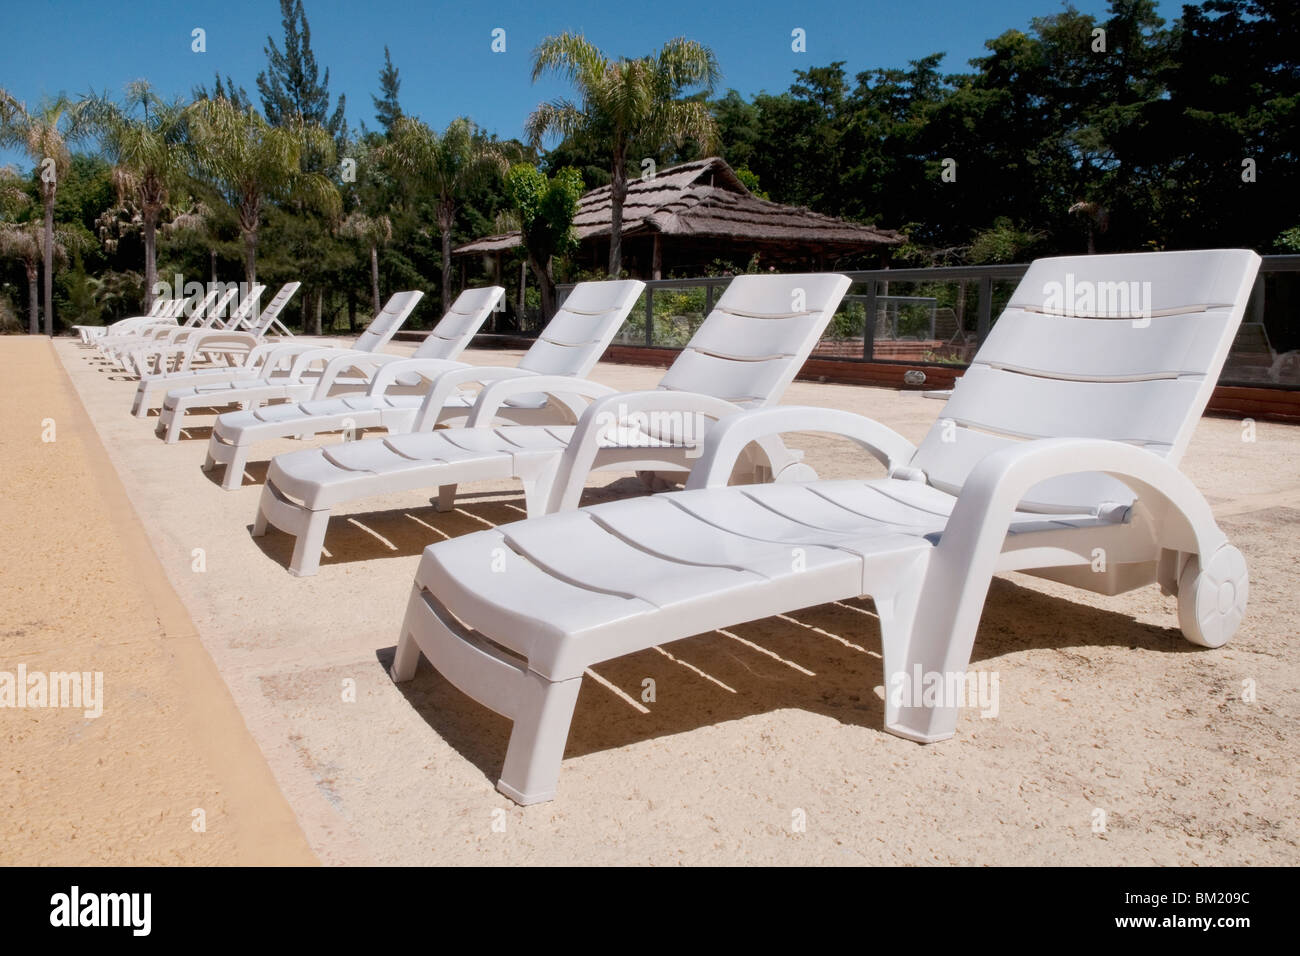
<point>649,315</point>
<point>869,323</point>
<point>986,308</point>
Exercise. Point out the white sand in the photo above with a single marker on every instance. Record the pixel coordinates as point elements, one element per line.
<point>1102,704</point>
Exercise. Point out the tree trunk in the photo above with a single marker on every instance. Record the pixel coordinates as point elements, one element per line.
<point>316,318</point>
<point>444,226</point>
<point>150,259</point>
<point>523,288</point>
<point>33,301</point>
<point>48,254</point>
<point>374,275</point>
<point>617,193</point>
<point>545,285</point>
<point>250,259</point>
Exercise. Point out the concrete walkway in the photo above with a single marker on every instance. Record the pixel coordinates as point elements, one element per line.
<point>165,772</point>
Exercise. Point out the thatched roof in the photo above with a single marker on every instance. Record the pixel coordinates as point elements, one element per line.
<point>705,200</point>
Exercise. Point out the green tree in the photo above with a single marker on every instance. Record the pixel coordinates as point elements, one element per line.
<point>23,241</point>
<point>545,208</point>
<point>249,163</point>
<point>445,167</point>
<point>292,88</point>
<point>373,232</point>
<point>44,134</point>
<point>387,109</point>
<point>625,105</point>
<point>222,91</point>
<point>145,139</point>
<point>20,238</point>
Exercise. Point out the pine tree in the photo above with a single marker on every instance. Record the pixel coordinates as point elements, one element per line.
<point>223,91</point>
<point>291,87</point>
<point>387,110</point>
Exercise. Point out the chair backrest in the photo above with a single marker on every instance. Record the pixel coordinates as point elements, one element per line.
<point>171,309</point>
<point>757,337</point>
<point>218,307</point>
<point>466,316</point>
<point>242,314</point>
<point>580,331</point>
<point>201,312</point>
<point>390,318</point>
<point>1120,347</point>
<point>271,314</point>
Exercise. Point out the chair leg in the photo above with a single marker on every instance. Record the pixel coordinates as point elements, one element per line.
<point>926,649</point>
<point>174,425</point>
<point>306,549</point>
<point>541,729</point>
<point>446,498</point>
<point>406,660</point>
<point>263,504</point>
<point>234,476</point>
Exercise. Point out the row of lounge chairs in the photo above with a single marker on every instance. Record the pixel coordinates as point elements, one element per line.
<point>1063,437</point>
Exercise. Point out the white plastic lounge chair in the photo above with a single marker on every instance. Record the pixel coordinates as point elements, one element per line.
<point>1060,443</point>
<point>162,309</point>
<point>203,312</point>
<point>261,367</point>
<point>347,378</point>
<point>247,328</point>
<point>743,355</point>
<point>395,396</point>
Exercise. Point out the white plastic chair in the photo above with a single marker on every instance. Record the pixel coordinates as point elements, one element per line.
<point>743,356</point>
<point>247,328</point>
<point>382,380</point>
<point>1060,443</point>
<point>261,369</point>
<point>204,312</point>
<point>163,309</point>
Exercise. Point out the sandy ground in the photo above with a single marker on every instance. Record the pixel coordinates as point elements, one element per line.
<point>1103,705</point>
<point>166,773</point>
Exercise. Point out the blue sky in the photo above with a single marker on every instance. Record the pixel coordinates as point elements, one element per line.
<point>443,50</point>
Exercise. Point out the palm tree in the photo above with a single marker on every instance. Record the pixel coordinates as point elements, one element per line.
<point>197,223</point>
<point>24,241</point>
<point>148,156</point>
<point>373,232</point>
<point>250,163</point>
<point>626,105</point>
<point>446,165</point>
<point>44,135</point>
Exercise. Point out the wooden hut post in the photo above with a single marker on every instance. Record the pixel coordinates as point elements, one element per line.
<point>657,259</point>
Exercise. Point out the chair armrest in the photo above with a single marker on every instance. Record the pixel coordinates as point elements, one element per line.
<point>449,383</point>
<point>428,369</point>
<point>995,487</point>
<point>214,341</point>
<point>966,556</point>
<point>366,363</point>
<point>605,413</point>
<point>309,356</point>
<point>727,439</point>
<point>560,389</point>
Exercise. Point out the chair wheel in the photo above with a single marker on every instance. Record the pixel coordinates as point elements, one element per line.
<point>1212,600</point>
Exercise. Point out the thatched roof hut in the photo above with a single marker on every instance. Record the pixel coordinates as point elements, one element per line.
<point>689,215</point>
